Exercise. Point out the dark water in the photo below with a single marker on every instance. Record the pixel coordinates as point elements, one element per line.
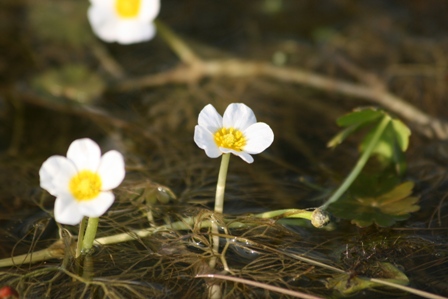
<point>401,44</point>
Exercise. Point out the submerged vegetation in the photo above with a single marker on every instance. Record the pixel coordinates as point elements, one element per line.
<point>367,217</point>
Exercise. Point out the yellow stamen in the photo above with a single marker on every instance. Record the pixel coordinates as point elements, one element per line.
<point>230,138</point>
<point>86,185</point>
<point>127,8</point>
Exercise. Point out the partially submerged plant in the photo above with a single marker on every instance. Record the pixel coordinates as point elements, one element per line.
<point>237,132</point>
<point>387,140</point>
<point>82,183</point>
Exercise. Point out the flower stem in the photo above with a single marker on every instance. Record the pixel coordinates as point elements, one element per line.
<point>82,230</point>
<point>361,162</point>
<point>221,186</point>
<point>87,242</point>
<point>214,290</point>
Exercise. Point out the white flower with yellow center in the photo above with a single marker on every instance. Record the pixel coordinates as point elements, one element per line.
<point>237,132</point>
<point>123,21</point>
<point>82,181</point>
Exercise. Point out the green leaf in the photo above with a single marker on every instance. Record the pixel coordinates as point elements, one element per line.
<point>384,209</point>
<point>384,146</point>
<point>391,146</point>
<point>402,134</point>
<point>360,116</point>
<point>353,121</point>
<point>341,136</point>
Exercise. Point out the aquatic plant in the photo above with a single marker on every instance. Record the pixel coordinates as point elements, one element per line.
<point>237,132</point>
<point>123,21</point>
<point>82,183</point>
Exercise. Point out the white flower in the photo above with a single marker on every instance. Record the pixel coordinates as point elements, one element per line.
<point>82,181</point>
<point>123,21</point>
<point>237,132</point>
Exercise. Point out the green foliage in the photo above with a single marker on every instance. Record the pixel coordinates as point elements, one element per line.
<point>392,143</point>
<point>377,197</point>
<point>383,209</point>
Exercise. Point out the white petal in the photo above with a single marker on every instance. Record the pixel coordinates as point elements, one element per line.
<point>103,20</point>
<point>66,211</point>
<point>109,27</point>
<point>102,3</point>
<point>85,154</point>
<point>239,116</point>
<point>111,170</point>
<point>97,206</point>
<point>129,32</point>
<point>55,173</point>
<point>204,139</point>
<point>210,119</point>
<point>243,155</point>
<point>149,10</point>
<point>49,170</point>
<point>259,137</point>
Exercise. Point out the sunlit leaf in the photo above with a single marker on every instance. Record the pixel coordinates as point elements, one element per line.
<point>402,134</point>
<point>384,209</point>
<point>391,145</point>
<point>384,146</point>
<point>353,122</point>
<point>359,116</point>
<point>341,136</point>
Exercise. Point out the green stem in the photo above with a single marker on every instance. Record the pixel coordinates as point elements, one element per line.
<point>57,250</point>
<point>221,186</point>
<point>361,162</point>
<point>87,242</point>
<point>214,291</point>
<point>286,213</point>
<point>82,230</point>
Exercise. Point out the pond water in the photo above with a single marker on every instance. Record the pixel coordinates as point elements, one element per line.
<point>60,83</point>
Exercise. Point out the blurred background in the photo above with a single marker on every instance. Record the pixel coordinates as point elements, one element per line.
<point>58,82</point>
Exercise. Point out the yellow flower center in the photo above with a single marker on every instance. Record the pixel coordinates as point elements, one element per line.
<point>127,8</point>
<point>86,185</point>
<point>230,138</point>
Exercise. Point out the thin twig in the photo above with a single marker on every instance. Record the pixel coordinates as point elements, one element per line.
<point>235,68</point>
